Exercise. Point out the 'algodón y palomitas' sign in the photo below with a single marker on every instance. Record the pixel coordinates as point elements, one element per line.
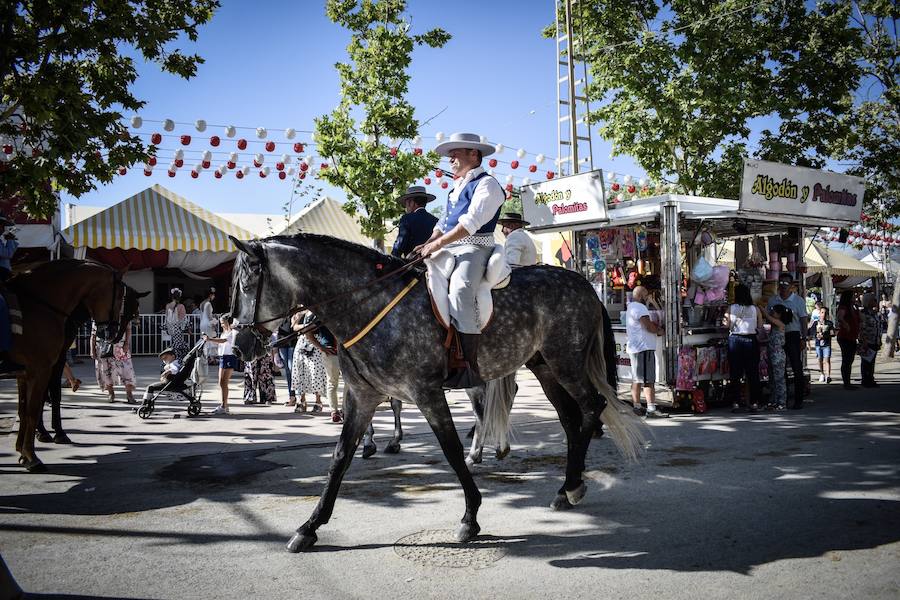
<point>774,188</point>
<point>565,204</point>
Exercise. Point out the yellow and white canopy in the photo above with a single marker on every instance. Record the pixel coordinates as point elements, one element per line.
<point>156,219</point>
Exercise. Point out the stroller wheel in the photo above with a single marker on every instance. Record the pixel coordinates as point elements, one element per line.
<point>144,412</point>
<point>193,409</point>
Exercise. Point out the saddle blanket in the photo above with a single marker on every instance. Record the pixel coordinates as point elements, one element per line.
<point>440,266</point>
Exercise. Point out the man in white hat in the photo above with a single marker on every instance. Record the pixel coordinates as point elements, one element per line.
<point>467,232</point>
<point>519,247</point>
<point>417,225</point>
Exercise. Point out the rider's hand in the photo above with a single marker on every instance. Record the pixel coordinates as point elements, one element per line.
<point>429,248</point>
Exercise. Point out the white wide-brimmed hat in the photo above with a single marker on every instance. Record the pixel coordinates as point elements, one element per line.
<point>471,141</point>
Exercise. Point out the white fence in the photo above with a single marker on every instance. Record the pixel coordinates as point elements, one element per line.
<point>148,336</point>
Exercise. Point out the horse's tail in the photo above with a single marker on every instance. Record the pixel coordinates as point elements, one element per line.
<point>498,400</point>
<point>626,431</point>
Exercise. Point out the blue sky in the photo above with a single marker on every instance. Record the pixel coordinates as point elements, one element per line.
<point>271,64</point>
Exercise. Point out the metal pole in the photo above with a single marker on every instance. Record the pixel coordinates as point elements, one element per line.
<point>573,127</point>
<point>670,245</point>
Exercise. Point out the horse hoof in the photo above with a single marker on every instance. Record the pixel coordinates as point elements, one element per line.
<point>467,532</point>
<point>301,542</point>
<point>502,452</point>
<point>576,495</point>
<point>392,448</point>
<point>61,438</point>
<point>471,461</point>
<point>43,437</point>
<point>368,451</point>
<point>561,502</point>
<point>33,466</point>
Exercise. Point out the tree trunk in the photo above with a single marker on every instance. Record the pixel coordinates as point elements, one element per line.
<point>893,317</point>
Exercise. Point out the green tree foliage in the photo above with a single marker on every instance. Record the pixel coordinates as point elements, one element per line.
<point>682,84</point>
<point>66,69</point>
<point>361,136</point>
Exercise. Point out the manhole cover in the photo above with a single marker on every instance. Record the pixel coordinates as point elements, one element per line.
<point>437,548</point>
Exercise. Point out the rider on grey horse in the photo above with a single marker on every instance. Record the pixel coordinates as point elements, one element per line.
<point>467,232</point>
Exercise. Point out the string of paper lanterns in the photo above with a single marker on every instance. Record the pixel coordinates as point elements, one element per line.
<point>883,234</point>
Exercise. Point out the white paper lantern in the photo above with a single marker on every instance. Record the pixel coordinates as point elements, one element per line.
<point>136,122</point>
<point>259,158</point>
<point>198,167</point>
<point>261,133</point>
<point>179,154</point>
<point>245,170</point>
<point>207,156</point>
<point>539,158</point>
<point>620,197</point>
<point>499,148</point>
<point>308,160</point>
<point>417,140</point>
<point>222,170</point>
<point>627,179</point>
<point>230,131</point>
<point>491,172</point>
<point>233,157</point>
<point>285,158</point>
<point>509,179</point>
<point>173,167</point>
<point>439,136</point>
<point>168,124</point>
<point>290,171</point>
<point>265,170</point>
<point>312,136</point>
<point>642,182</point>
<point>520,153</point>
<point>610,176</point>
<point>290,133</point>
<point>200,124</point>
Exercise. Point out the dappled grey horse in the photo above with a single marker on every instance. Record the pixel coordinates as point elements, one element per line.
<point>547,318</point>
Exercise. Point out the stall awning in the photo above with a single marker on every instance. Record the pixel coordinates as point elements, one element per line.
<point>819,258</point>
<point>156,219</point>
<point>326,217</point>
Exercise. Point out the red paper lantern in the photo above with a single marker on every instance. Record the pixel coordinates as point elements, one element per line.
<point>438,173</point>
<point>152,161</point>
<point>262,174</point>
<point>615,187</point>
<point>532,168</point>
<point>428,181</point>
<point>195,174</point>
<point>444,185</point>
<point>302,174</point>
<point>185,140</point>
<point>179,162</point>
<point>417,151</point>
<point>298,148</point>
<point>279,166</point>
<point>514,164</point>
<point>509,187</point>
<point>156,138</point>
<point>35,152</point>
<point>239,174</point>
<point>122,171</point>
<point>256,163</point>
<point>492,162</point>
<point>242,144</point>
<point>394,151</point>
<point>231,165</point>
<point>8,149</point>
<point>148,172</point>
<point>304,166</point>
<point>218,174</point>
<point>171,173</point>
<point>282,175</point>
<point>631,189</point>
<point>323,166</point>
<point>270,146</point>
<point>205,164</point>
<point>550,174</point>
<point>214,141</point>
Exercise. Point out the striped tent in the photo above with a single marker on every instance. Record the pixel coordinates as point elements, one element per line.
<point>326,217</point>
<point>156,219</point>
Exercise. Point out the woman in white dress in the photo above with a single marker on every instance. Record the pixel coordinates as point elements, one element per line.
<point>308,371</point>
<point>176,323</point>
<point>208,325</point>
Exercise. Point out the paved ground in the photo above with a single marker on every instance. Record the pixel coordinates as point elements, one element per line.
<point>800,504</point>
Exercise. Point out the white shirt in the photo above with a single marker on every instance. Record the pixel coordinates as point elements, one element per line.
<point>639,339</point>
<point>226,346</point>
<point>742,318</point>
<point>519,249</point>
<point>487,198</point>
<point>173,367</point>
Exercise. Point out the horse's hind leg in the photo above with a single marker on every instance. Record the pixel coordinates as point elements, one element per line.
<point>34,403</point>
<point>394,446</point>
<point>476,397</point>
<point>434,406</point>
<point>55,394</point>
<point>571,418</point>
<point>358,411</point>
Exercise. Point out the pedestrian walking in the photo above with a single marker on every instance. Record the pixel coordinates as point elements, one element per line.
<point>324,341</point>
<point>847,335</point>
<point>176,324</point>
<point>116,368</point>
<point>641,348</point>
<point>227,360</point>
<point>284,342</point>
<point>869,340</point>
<point>823,331</point>
<point>795,333</point>
<point>308,370</point>
<point>743,319</point>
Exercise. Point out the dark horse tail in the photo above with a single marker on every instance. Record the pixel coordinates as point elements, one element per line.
<point>626,431</point>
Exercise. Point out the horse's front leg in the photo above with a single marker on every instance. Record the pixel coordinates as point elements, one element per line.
<point>55,394</point>
<point>394,446</point>
<point>36,391</point>
<point>434,406</point>
<point>476,397</point>
<point>358,411</point>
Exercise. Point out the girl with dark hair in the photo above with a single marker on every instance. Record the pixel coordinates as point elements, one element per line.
<point>176,322</point>
<point>743,319</point>
<point>847,334</point>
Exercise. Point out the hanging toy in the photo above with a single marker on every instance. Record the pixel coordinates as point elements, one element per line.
<point>641,236</point>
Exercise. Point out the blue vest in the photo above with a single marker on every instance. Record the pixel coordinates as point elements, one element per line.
<point>462,207</point>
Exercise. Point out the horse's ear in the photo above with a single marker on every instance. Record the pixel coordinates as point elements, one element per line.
<point>142,294</point>
<point>242,246</point>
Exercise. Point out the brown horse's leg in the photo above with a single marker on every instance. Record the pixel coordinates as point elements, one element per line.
<point>34,404</point>
<point>22,387</point>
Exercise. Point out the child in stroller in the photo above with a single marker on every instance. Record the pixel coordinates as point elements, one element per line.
<point>174,380</point>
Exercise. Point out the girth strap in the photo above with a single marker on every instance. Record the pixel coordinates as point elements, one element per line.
<point>384,311</point>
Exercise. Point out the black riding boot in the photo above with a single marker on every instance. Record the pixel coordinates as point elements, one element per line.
<point>467,377</point>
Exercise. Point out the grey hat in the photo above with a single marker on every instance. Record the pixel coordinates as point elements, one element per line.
<point>168,350</point>
<point>471,141</point>
<point>513,217</point>
<point>416,191</point>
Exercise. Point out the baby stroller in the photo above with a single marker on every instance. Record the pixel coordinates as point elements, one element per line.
<point>186,385</point>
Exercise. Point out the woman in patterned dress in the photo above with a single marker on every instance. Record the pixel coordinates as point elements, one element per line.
<point>308,370</point>
<point>778,317</point>
<point>176,324</point>
<point>258,374</point>
<point>116,367</point>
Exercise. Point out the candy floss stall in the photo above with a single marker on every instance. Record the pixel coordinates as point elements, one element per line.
<point>672,244</point>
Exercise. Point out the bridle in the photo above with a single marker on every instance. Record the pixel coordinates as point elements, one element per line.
<point>255,325</point>
<point>114,333</point>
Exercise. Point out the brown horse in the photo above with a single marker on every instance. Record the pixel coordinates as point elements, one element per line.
<point>47,296</point>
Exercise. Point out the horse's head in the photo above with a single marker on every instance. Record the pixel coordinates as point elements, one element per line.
<point>104,300</point>
<point>257,305</point>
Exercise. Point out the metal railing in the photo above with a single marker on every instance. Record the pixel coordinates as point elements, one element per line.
<point>148,335</point>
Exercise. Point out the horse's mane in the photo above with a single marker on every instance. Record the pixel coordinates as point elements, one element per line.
<point>298,239</point>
